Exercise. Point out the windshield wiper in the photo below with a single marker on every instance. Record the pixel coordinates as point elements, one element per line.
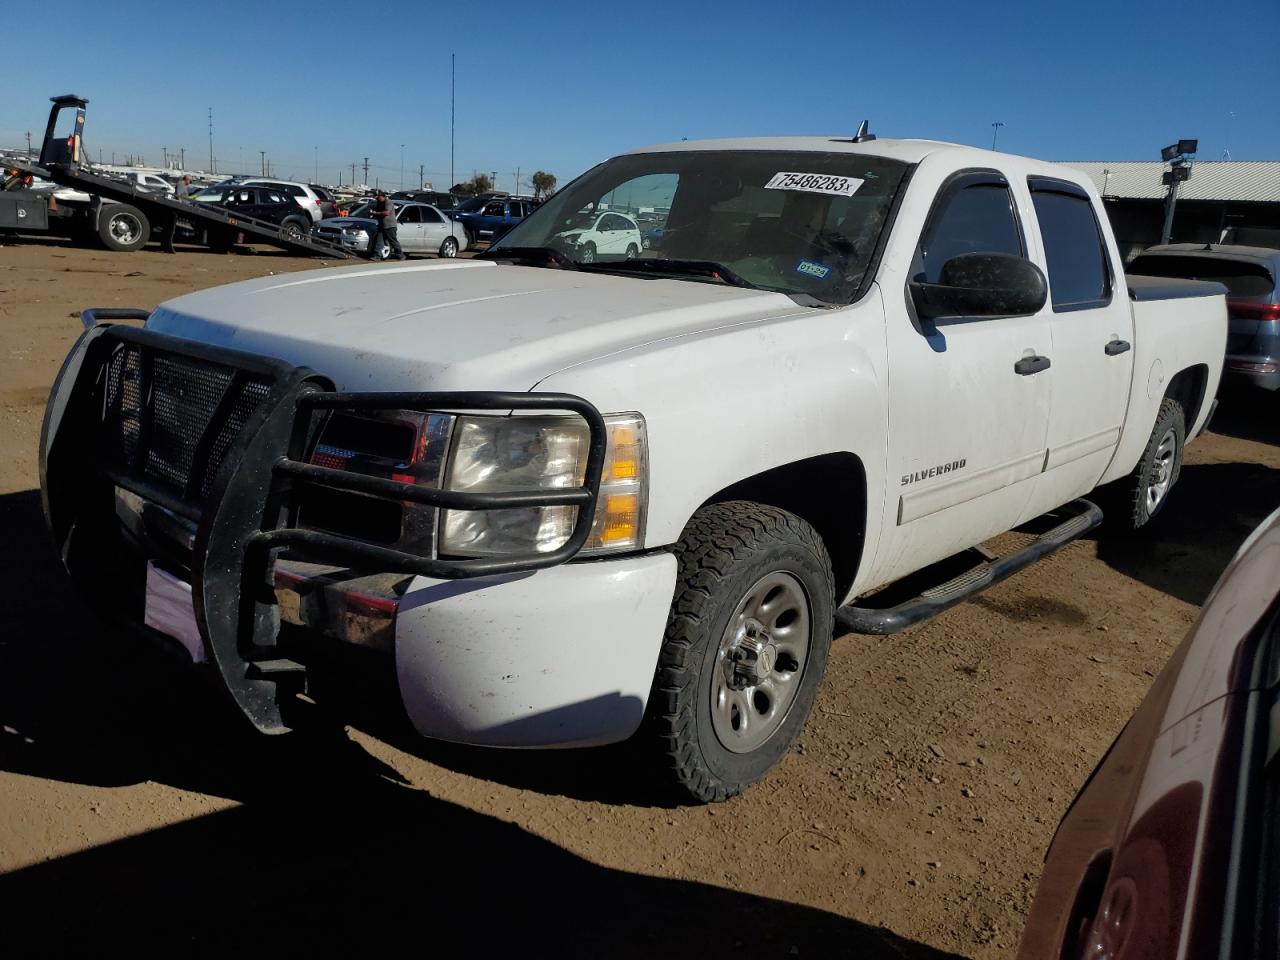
<point>695,268</point>
<point>536,256</point>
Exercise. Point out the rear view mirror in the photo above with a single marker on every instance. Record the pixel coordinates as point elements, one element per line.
<point>981,285</point>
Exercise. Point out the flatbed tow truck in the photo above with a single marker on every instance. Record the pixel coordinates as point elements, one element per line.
<point>118,214</point>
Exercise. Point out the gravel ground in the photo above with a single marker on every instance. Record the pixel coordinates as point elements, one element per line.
<point>911,821</point>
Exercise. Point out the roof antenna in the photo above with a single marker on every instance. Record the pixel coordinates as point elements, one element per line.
<point>862,136</point>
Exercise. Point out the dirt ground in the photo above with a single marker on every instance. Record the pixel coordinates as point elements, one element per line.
<point>910,822</point>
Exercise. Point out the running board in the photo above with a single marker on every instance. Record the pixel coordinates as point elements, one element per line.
<point>1085,517</point>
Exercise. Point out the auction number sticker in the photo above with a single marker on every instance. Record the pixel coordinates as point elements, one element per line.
<point>815,183</point>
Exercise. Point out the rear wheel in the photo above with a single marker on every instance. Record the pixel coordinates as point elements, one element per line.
<point>632,251</point>
<point>449,249</point>
<point>745,646</point>
<point>123,227</point>
<point>1132,503</point>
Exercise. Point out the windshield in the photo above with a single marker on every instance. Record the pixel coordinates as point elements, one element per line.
<point>361,209</point>
<point>802,223</point>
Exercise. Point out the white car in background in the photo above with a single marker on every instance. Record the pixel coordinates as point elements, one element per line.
<point>151,183</point>
<point>605,236</point>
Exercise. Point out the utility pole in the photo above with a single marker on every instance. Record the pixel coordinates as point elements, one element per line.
<point>165,151</point>
<point>183,151</point>
<point>353,174</point>
<point>366,171</point>
<point>262,156</point>
<point>995,132</point>
<point>402,166</point>
<point>517,189</point>
<point>316,154</point>
<point>212,168</point>
<point>453,73</point>
<point>29,146</point>
<point>421,176</point>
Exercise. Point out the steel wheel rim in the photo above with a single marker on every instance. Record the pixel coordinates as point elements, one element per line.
<point>125,227</point>
<point>760,662</point>
<point>1162,470</point>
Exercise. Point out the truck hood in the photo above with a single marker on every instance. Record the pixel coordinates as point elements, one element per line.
<point>457,324</point>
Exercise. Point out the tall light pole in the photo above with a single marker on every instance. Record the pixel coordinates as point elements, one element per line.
<point>995,132</point>
<point>212,168</point>
<point>453,59</point>
<point>262,156</point>
<point>29,146</point>
<point>402,166</point>
<point>316,153</point>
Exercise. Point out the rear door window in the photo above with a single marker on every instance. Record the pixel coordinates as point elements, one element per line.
<point>429,215</point>
<point>1079,271</point>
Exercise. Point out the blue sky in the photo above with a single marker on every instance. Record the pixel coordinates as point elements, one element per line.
<point>563,85</point>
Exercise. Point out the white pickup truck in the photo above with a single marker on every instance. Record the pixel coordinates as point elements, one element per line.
<point>564,497</point>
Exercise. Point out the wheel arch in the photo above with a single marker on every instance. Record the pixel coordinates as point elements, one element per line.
<point>1187,387</point>
<point>840,516</point>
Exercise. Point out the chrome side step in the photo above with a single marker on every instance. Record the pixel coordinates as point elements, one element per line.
<point>1085,516</point>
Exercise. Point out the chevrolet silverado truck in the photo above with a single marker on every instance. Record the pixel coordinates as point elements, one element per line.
<point>562,503</point>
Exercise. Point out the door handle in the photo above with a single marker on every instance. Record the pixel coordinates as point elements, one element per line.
<point>1116,347</point>
<point>1029,365</point>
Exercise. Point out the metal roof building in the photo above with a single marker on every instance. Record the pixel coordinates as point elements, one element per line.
<point>1224,201</point>
<point>1232,180</point>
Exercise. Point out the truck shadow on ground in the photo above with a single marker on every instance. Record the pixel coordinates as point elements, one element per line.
<point>346,863</point>
<point>331,848</point>
<point>1211,511</point>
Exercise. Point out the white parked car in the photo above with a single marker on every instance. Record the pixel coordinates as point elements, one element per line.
<point>151,183</point>
<point>301,192</point>
<point>421,228</point>
<point>601,236</point>
<point>555,498</point>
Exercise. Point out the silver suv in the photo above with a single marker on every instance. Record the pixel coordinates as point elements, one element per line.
<point>1253,303</point>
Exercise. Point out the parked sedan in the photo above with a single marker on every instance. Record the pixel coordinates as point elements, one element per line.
<point>603,236</point>
<point>1169,850</point>
<point>1253,300</point>
<point>422,229</point>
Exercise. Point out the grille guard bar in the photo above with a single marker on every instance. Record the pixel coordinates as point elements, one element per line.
<point>250,511</point>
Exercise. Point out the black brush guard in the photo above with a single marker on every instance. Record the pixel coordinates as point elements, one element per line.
<point>240,489</point>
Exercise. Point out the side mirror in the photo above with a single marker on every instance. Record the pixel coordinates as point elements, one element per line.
<point>981,285</point>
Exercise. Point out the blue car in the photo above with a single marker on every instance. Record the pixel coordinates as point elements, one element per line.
<point>488,219</point>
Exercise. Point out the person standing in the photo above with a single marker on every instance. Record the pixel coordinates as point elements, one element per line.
<point>182,189</point>
<point>383,212</point>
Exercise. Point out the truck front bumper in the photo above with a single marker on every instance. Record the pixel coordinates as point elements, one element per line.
<point>161,453</point>
<point>557,657</point>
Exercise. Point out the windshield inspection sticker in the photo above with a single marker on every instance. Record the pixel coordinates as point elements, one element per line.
<point>811,269</point>
<point>815,183</point>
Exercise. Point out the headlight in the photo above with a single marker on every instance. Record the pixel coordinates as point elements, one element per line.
<point>355,231</point>
<point>492,454</point>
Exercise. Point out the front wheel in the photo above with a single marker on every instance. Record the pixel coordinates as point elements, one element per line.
<point>745,646</point>
<point>382,249</point>
<point>587,253</point>
<point>294,231</point>
<point>449,249</point>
